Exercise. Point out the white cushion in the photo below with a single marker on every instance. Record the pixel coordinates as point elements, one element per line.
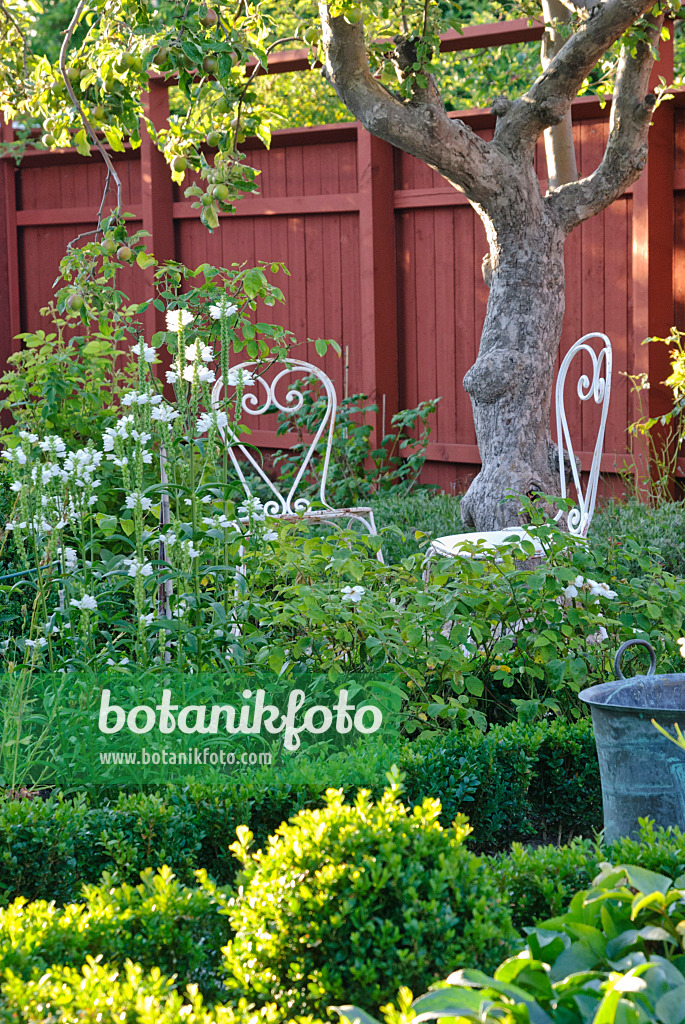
<point>490,540</point>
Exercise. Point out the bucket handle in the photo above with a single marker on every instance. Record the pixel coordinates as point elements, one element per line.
<point>631,643</point>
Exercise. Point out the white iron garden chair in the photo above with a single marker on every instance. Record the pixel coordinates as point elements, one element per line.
<point>259,398</point>
<point>475,545</point>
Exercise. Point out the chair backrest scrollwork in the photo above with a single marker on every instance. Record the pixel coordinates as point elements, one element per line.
<point>260,397</point>
<point>598,389</point>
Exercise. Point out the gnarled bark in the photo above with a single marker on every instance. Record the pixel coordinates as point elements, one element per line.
<point>511,381</point>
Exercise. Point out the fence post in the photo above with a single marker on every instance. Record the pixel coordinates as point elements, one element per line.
<point>157,195</point>
<point>377,278</point>
<point>653,230</point>
<point>10,322</point>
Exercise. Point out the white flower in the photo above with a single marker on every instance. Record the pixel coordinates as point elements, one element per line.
<point>196,350</point>
<point>145,620</point>
<point>70,557</point>
<point>601,590</point>
<point>270,535</point>
<point>175,318</point>
<point>206,376</point>
<point>136,500</point>
<point>171,376</point>
<point>189,549</point>
<point>15,455</point>
<point>165,413</point>
<point>86,604</point>
<point>54,446</point>
<point>223,309</point>
<point>137,568</point>
<point>26,436</point>
<point>40,642</point>
<point>251,509</point>
<point>16,486</point>
<point>123,661</point>
<point>139,348</point>
<point>353,594</point>
<point>206,420</point>
<point>570,591</point>
<point>598,637</point>
<point>244,377</point>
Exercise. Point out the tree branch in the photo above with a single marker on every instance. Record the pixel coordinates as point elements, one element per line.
<point>64,49</point>
<point>550,97</point>
<point>419,126</point>
<point>560,153</point>
<point>626,151</point>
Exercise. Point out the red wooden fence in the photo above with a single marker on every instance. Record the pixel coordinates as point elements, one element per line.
<point>384,256</point>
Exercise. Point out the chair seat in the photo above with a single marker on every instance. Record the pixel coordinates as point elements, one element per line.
<point>320,513</point>
<point>490,540</point>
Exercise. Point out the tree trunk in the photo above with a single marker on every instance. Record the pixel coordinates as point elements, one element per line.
<point>510,384</point>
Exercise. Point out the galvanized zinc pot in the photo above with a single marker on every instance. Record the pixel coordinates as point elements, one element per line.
<point>642,772</point>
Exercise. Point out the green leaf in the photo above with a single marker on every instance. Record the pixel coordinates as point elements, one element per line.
<point>115,138</point>
<point>81,142</point>
<point>254,282</point>
<point>645,881</point>
<point>671,1006</point>
<point>128,526</point>
<point>320,345</point>
<point>353,1013</point>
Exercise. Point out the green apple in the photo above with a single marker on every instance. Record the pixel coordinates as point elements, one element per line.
<point>179,164</point>
<point>212,139</point>
<point>210,65</point>
<point>221,192</point>
<point>311,35</point>
<point>49,140</point>
<point>109,245</point>
<point>210,18</point>
<point>124,253</point>
<point>75,302</point>
<point>353,16</point>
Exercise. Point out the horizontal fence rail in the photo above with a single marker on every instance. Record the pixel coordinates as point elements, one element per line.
<point>384,256</point>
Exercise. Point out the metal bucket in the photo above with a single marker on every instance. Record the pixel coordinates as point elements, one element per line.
<point>642,772</point>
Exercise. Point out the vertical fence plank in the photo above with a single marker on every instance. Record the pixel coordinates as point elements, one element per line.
<point>10,297</point>
<point>378,276</point>
<point>652,258</point>
<point>156,195</point>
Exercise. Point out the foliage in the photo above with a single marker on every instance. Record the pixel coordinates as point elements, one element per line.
<point>158,923</point>
<point>64,385</point>
<point>357,472</point>
<point>615,955</point>
<point>355,895</point>
<point>515,782</point>
<point>631,534</point>
<point>665,434</point>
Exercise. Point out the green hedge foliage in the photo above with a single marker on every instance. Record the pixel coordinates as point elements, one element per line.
<point>513,783</point>
<point>352,896</point>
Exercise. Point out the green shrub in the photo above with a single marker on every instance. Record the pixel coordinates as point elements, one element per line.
<point>353,896</point>
<point>515,782</point>
<point>615,956</point>
<point>659,530</point>
<point>158,924</point>
<point>100,994</point>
